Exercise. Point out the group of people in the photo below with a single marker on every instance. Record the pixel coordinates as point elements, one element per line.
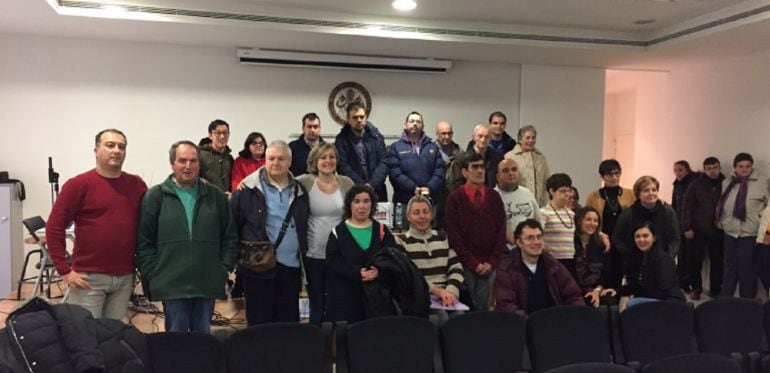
<point>487,227</point>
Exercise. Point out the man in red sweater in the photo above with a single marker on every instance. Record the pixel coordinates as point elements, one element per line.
<point>475,226</point>
<point>104,204</point>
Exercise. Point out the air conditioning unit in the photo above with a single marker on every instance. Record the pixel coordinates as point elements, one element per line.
<point>341,61</point>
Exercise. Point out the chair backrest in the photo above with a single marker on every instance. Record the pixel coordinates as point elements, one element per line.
<point>483,342</point>
<point>34,224</point>
<point>728,325</point>
<point>565,335</point>
<point>701,363</point>
<point>654,330</point>
<point>400,344</point>
<point>592,368</point>
<point>185,352</point>
<point>278,347</point>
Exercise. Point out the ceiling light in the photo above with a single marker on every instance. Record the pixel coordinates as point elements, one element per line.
<point>114,10</point>
<point>404,5</point>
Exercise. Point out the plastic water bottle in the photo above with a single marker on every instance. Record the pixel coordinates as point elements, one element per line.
<point>398,217</point>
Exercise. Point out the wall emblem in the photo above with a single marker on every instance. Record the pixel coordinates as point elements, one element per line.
<point>344,94</point>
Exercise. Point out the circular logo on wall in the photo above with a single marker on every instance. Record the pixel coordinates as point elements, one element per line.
<point>344,94</point>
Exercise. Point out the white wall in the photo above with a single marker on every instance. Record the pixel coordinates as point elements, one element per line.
<point>55,94</point>
<point>566,105</point>
<point>697,110</point>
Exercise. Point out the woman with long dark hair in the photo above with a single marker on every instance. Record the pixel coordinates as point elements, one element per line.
<point>592,261</point>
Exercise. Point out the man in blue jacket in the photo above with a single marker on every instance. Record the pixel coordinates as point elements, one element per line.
<point>415,163</point>
<point>362,152</point>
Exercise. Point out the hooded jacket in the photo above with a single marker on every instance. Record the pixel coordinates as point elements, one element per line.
<point>349,163</point>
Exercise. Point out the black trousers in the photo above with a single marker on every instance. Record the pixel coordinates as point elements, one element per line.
<point>275,299</point>
<point>683,269</point>
<point>740,270</point>
<point>703,243</point>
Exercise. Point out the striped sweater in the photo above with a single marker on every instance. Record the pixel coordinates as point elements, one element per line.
<point>558,232</point>
<point>431,254</point>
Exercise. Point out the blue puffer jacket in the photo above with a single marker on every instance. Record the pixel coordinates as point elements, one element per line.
<point>409,170</point>
<point>349,164</point>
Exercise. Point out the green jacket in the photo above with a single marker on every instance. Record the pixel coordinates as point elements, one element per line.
<point>177,263</point>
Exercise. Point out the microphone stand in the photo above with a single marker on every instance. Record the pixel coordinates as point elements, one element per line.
<point>53,179</point>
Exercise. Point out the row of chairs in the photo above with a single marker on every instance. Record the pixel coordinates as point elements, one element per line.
<point>725,336</point>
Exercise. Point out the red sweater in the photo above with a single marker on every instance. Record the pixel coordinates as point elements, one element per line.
<point>243,167</point>
<point>105,212</point>
<point>476,235</point>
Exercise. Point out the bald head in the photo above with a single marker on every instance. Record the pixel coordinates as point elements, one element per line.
<point>508,175</point>
<point>444,133</point>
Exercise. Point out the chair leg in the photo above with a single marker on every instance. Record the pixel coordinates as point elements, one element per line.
<point>24,272</point>
<point>39,281</point>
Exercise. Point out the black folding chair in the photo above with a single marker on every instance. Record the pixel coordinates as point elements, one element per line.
<point>487,342</point>
<point>565,335</point>
<point>280,347</point>
<point>46,274</point>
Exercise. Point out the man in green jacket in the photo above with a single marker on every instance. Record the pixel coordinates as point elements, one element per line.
<point>186,243</point>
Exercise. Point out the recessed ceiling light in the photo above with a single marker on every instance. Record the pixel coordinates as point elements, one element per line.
<point>404,5</point>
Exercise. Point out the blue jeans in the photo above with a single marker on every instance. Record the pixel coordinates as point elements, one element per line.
<point>192,314</point>
<point>639,300</point>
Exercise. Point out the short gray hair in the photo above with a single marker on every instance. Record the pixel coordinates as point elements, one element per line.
<point>279,144</point>
<point>172,151</point>
<point>524,130</point>
<point>418,199</point>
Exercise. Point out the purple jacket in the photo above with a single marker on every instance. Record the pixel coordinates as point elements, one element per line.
<point>511,283</point>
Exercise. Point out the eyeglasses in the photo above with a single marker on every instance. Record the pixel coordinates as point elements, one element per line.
<point>220,133</point>
<point>533,237</point>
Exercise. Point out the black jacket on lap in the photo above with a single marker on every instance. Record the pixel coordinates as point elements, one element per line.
<point>63,338</point>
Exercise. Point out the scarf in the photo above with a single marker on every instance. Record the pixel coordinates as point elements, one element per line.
<point>739,209</point>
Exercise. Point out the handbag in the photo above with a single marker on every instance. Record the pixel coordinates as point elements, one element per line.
<point>259,256</point>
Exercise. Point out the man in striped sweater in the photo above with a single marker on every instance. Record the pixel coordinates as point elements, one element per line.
<point>429,250</point>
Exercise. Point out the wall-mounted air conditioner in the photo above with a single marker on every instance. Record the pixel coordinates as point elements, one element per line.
<point>341,61</point>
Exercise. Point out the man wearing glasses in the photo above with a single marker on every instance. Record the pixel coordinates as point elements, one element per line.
<point>216,161</point>
<point>475,226</point>
<point>530,279</point>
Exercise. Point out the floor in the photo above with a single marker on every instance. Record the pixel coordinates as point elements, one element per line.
<point>145,316</point>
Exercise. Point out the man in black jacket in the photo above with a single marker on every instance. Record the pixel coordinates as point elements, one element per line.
<point>301,147</point>
<point>698,224</point>
<point>361,151</point>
